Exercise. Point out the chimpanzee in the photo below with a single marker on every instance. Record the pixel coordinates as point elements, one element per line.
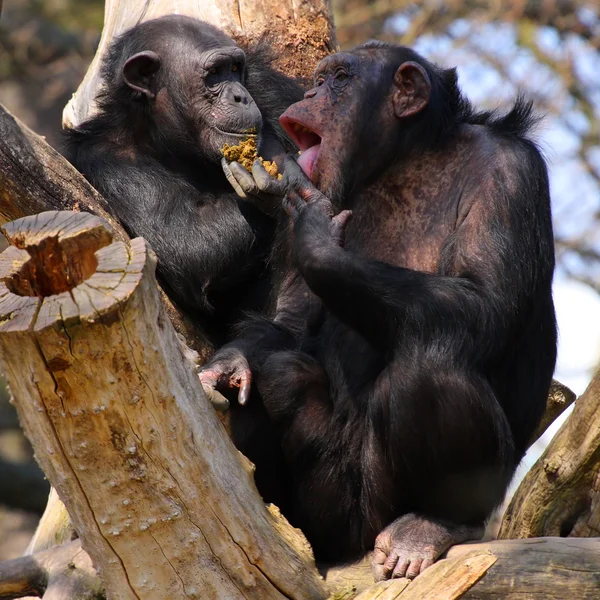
<point>176,90</point>
<point>410,357</point>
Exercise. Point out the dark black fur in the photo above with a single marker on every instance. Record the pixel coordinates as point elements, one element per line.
<point>393,390</point>
<point>162,185</point>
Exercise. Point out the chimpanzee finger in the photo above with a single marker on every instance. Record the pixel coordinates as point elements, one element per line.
<point>339,223</point>
<point>209,378</point>
<point>245,385</point>
<point>390,563</point>
<point>377,561</point>
<point>244,179</point>
<point>296,179</point>
<point>232,180</point>
<point>342,218</point>
<point>293,204</point>
<point>427,562</point>
<point>264,181</point>
<point>414,568</point>
<point>401,568</point>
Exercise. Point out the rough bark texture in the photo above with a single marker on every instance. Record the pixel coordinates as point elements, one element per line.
<point>163,502</point>
<point>561,493</point>
<point>535,569</point>
<point>299,31</point>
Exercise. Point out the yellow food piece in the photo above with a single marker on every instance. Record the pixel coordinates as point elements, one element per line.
<point>270,168</point>
<point>246,153</point>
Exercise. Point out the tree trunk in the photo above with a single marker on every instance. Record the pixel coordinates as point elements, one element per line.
<point>163,502</point>
<point>165,505</point>
<point>561,493</point>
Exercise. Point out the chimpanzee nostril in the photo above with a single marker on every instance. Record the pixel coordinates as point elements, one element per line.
<point>237,98</point>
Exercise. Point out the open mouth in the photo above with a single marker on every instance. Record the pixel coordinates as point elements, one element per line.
<point>307,140</point>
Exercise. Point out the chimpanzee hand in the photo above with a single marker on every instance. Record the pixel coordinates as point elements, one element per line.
<point>227,370</point>
<point>259,188</point>
<point>410,544</point>
<point>311,211</point>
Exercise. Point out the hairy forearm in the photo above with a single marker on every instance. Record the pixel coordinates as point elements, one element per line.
<point>380,300</point>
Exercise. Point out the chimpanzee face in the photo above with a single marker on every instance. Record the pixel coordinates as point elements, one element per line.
<point>195,87</point>
<point>349,123</point>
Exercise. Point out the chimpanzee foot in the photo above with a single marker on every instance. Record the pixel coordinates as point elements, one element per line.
<point>412,543</point>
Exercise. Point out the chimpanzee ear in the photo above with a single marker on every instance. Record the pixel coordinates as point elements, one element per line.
<point>139,71</point>
<point>413,88</point>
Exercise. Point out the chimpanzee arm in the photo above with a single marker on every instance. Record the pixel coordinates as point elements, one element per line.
<point>204,243</point>
<point>237,363</point>
<point>497,261</point>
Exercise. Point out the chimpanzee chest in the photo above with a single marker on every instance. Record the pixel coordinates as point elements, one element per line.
<point>403,230</point>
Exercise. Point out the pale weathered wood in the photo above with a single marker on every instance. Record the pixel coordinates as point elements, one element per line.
<point>535,569</point>
<point>446,580</point>
<point>300,33</point>
<point>55,527</point>
<point>163,502</point>
<point>65,572</point>
<point>560,495</point>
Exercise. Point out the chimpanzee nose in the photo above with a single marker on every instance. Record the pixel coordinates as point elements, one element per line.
<point>236,94</point>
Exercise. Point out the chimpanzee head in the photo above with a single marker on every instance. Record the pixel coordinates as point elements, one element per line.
<point>181,81</point>
<point>368,108</point>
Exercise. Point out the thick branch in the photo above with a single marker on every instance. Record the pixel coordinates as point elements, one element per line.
<point>536,569</point>
<point>561,493</point>
<point>63,572</point>
<point>163,502</point>
<point>560,398</point>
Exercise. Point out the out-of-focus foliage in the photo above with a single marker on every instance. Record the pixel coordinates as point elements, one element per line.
<point>45,48</point>
<point>549,50</point>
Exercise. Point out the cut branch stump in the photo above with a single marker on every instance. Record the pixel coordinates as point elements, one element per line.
<point>163,502</point>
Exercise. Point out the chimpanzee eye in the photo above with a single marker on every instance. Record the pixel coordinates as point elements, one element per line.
<point>341,75</point>
<point>213,71</point>
<point>320,80</point>
<point>234,68</point>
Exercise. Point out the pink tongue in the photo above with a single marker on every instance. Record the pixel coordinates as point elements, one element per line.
<point>307,159</point>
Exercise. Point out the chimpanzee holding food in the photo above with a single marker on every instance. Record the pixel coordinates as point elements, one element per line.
<point>176,92</point>
<point>410,357</point>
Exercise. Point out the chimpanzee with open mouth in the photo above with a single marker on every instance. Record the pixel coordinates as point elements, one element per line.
<point>411,354</point>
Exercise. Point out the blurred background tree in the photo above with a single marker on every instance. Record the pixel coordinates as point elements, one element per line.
<point>547,49</point>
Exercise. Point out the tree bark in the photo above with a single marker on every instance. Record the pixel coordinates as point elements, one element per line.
<point>536,569</point>
<point>560,495</point>
<point>163,502</point>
